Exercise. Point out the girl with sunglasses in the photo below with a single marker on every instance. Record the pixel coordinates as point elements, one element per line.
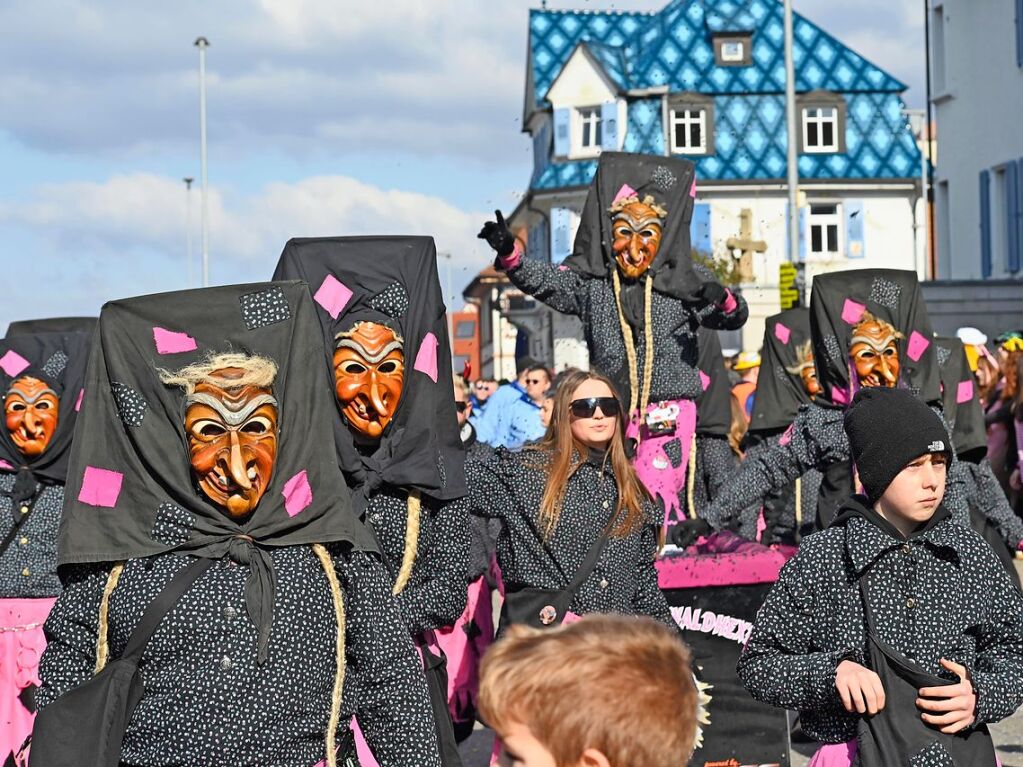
<point>570,496</point>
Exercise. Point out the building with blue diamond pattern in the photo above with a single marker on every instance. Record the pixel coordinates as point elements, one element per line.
<point>705,79</point>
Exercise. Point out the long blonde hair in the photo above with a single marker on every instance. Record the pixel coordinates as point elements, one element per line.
<point>560,454</point>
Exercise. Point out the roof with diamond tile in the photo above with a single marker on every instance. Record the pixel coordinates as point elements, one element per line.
<point>673,48</point>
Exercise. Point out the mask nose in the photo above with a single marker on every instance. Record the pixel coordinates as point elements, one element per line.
<point>236,462</point>
<point>887,373</point>
<point>31,421</point>
<point>377,396</point>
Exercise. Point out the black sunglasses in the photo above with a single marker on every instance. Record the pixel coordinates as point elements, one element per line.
<point>534,381</point>
<point>461,406</point>
<point>585,408</point>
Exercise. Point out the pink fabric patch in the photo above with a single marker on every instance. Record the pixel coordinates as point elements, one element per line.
<point>333,295</point>
<point>562,268</point>
<point>692,189</point>
<point>852,311</point>
<point>625,191</point>
<point>835,755</point>
<point>839,395</point>
<point>512,260</point>
<point>171,342</point>
<point>100,487</point>
<point>782,332</point>
<point>13,363</point>
<point>964,393</point>
<point>704,380</point>
<point>786,438</point>
<point>730,304</point>
<point>78,402</point>
<point>917,346</point>
<point>747,564</point>
<point>5,465</point>
<point>426,357</point>
<point>297,493</point>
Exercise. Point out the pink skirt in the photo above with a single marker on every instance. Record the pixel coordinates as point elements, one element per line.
<point>464,650</point>
<point>654,466</point>
<point>21,645</point>
<point>841,755</point>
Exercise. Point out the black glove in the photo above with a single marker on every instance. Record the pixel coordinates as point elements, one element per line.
<point>709,293</point>
<point>498,236</point>
<point>685,533</point>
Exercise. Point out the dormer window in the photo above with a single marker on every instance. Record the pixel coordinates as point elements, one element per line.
<point>589,129</point>
<point>733,49</point>
<point>822,118</point>
<point>691,124</point>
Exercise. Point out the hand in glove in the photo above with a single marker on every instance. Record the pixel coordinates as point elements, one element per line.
<point>498,235</point>
<point>685,533</point>
<point>709,293</point>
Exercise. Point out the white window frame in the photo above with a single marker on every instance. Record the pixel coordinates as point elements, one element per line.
<point>823,221</point>
<point>687,116</point>
<point>819,116</point>
<point>583,117</point>
<point>734,57</point>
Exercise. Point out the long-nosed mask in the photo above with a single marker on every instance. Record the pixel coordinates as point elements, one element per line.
<point>636,229</point>
<point>31,411</point>
<point>232,441</point>
<point>369,372</point>
<point>874,351</point>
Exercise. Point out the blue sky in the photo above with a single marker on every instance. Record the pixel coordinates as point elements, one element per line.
<point>325,117</point>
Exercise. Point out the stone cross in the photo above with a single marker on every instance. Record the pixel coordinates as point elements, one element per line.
<point>746,245</point>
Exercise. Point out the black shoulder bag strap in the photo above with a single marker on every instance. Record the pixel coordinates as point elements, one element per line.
<point>18,520</point>
<point>589,563</point>
<point>86,724</point>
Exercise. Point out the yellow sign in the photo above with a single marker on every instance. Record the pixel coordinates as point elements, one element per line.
<point>788,276</point>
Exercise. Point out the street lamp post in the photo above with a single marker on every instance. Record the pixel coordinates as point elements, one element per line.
<point>202,44</point>
<point>790,119</point>
<point>188,223</point>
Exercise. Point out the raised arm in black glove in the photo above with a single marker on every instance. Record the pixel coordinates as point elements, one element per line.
<point>498,235</point>
<point>685,533</point>
<point>708,293</point>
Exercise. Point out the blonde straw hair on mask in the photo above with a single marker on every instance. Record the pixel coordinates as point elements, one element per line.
<point>256,371</point>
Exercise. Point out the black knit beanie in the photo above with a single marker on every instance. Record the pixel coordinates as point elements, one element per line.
<point>888,429</point>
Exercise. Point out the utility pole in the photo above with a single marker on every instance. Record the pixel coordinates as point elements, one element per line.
<point>188,223</point>
<point>202,44</point>
<point>790,118</point>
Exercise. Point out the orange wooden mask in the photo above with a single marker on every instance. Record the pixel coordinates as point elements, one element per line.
<point>31,410</point>
<point>369,372</point>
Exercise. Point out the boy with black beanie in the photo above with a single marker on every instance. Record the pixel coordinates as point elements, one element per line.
<point>895,627</point>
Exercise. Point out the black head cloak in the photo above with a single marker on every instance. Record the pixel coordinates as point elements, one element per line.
<point>960,404</point>
<point>837,302</point>
<point>392,280</point>
<point>671,181</point>
<point>52,325</point>
<point>780,389</point>
<point>58,359</point>
<point>130,490</point>
<point>713,406</point>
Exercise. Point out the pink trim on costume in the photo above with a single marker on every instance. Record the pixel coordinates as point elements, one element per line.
<point>692,189</point>
<point>729,304</point>
<point>562,268</point>
<point>964,392</point>
<point>297,493</point>
<point>623,193</point>
<point>5,465</point>
<point>917,346</point>
<point>782,332</point>
<point>835,755</point>
<point>100,487</point>
<point>751,563</point>
<point>172,342</point>
<point>652,463</point>
<point>786,438</point>
<point>426,357</point>
<point>21,644</point>
<point>704,380</point>
<point>333,295</point>
<point>852,311</point>
<point>839,395</point>
<point>78,402</point>
<point>512,260</point>
<point>13,363</point>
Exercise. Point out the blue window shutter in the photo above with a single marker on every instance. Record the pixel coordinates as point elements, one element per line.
<point>1019,33</point>
<point>1012,243</point>
<point>802,234</point>
<point>700,228</point>
<point>985,224</point>
<point>562,132</point>
<point>854,240</point>
<point>561,232</point>
<point>609,125</point>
